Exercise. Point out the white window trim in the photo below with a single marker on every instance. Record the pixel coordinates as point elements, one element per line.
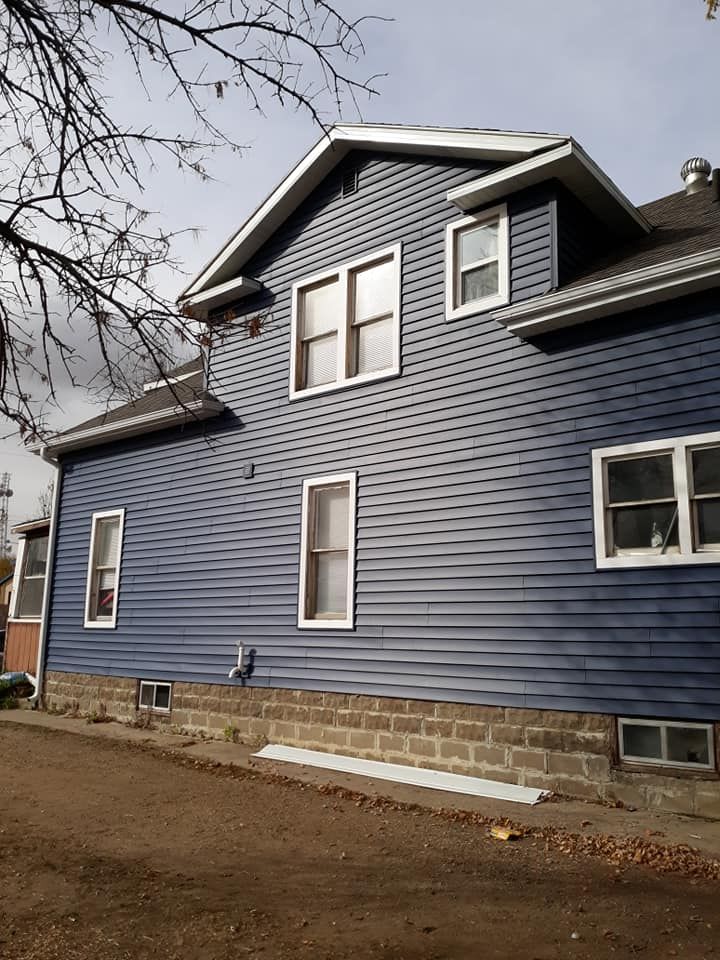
<point>679,447</point>
<point>308,485</point>
<point>343,272</point>
<point>13,615</point>
<point>454,311</point>
<point>110,623</point>
<point>663,725</point>
<point>155,684</point>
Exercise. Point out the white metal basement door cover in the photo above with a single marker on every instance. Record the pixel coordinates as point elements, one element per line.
<point>398,773</point>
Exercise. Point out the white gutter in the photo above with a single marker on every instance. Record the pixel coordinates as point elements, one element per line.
<point>626,291</point>
<point>132,427</point>
<point>35,699</point>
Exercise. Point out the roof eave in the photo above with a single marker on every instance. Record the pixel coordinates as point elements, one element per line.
<point>319,161</point>
<point>569,164</point>
<point>611,295</point>
<point>195,410</point>
<point>202,303</point>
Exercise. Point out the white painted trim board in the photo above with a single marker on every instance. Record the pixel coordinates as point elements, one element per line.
<point>399,773</point>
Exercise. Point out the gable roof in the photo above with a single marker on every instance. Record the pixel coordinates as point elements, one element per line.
<point>499,146</point>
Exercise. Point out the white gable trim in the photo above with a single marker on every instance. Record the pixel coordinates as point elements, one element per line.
<point>498,146</point>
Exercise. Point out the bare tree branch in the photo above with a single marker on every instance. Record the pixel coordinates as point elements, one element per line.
<point>79,255</point>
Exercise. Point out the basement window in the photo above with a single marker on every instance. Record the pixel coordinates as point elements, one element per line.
<point>154,696</point>
<point>667,743</point>
<point>658,502</point>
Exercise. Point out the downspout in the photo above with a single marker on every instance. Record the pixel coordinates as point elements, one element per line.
<point>34,700</point>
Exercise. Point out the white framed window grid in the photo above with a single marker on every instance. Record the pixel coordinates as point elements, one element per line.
<point>665,739</point>
<point>477,263</point>
<point>326,588</point>
<point>345,326</point>
<point>155,695</point>
<point>678,522</point>
<point>103,575</point>
<point>28,589</point>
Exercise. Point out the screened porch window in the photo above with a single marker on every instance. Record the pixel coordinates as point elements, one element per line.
<point>327,552</point>
<point>32,579</point>
<point>104,569</point>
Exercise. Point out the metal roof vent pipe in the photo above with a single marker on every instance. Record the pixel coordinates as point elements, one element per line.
<point>695,173</point>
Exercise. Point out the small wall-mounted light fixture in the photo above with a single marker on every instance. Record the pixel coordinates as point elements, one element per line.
<point>245,661</point>
<point>248,471</point>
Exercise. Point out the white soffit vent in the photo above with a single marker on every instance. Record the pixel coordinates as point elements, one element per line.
<point>398,773</point>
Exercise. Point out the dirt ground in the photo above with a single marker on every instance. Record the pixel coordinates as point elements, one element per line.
<point>109,850</point>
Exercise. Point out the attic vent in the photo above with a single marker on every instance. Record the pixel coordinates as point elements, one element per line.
<point>349,183</point>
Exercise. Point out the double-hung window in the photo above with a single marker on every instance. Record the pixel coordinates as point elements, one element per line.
<point>103,576</point>
<point>658,502</point>
<point>476,263</point>
<point>327,553</point>
<point>346,325</point>
<point>28,602</point>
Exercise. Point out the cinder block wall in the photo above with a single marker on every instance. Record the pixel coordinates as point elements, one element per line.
<point>569,753</point>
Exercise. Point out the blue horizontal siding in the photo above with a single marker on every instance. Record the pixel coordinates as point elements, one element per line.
<point>476,577</point>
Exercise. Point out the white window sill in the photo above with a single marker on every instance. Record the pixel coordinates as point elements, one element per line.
<point>326,625</point>
<point>475,307</point>
<point>345,384</point>
<point>24,620</point>
<point>100,624</point>
<point>667,560</point>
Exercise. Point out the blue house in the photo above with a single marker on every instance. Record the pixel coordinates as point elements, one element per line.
<point>445,490</point>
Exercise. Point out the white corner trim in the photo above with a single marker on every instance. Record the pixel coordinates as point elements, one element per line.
<point>636,288</point>
<point>454,310</point>
<point>568,163</point>
<point>679,448</point>
<point>132,427</point>
<point>111,623</point>
<point>308,486</point>
<point>216,296</point>
<point>342,272</point>
<point>493,145</point>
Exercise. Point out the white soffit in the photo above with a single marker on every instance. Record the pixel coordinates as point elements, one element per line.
<point>492,145</point>
<point>211,297</point>
<point>573,167</point>
<point>399,773</point>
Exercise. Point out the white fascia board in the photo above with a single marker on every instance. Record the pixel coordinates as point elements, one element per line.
<point>156,384</point>
<point>572,166</point>
<point>133,426</point>
<point>638,288</point>
<point>490,145</point>
<point>216,296</point>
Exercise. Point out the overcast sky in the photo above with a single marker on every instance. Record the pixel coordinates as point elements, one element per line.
<point>634,81</point>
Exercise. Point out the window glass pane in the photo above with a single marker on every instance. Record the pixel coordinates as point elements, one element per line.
<point>31,596</point>
<point>321,308</point>
<point>374,290</point>
<point>479,243</point>
<point>480,282</point>
<point>374,345</point>
<point>162,697</point>
<point>105,597</point>
<point>320,361</point>
<point>331,518</point>
<point>107,542</point>
<point>331,583</point>
<point>708,522</point>
<point>641,478</point>
<point>640,741</point>
<point>35,556</point>
<point>706,470</point>
<point>644,529</point>
<point>146,694</point>
<point>687,745</point>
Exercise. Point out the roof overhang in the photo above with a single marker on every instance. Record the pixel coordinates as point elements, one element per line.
<point>31,526</point>
<point>213,297</point>
<point>626,291</point>
<point>570,165</point>
<point>193,411</point>
<point>495,146</point>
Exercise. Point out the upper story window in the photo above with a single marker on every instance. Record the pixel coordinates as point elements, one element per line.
<point>31,583</point>
<point>658,502</point>
<point>346,325</point>
<point>327,553</point>
<point>477,263</point>
<point>103,577</point>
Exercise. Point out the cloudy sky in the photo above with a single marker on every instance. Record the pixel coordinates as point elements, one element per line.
<point>635,82</point>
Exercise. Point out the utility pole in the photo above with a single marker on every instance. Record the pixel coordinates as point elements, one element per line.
<point>5,494</point>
